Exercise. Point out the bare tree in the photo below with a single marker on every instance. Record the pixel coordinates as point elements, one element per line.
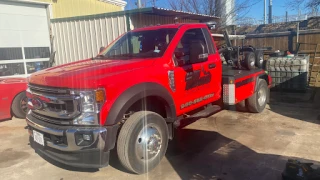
<point>194,6</point>
<point>211,7</point>
<point>311,5</point>
<point>177,4</point>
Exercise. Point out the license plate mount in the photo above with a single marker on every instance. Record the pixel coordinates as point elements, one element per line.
<point>38,137</point>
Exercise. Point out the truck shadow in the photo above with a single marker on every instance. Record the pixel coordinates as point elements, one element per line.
<point>66,167</point>
<point>302,106</point>
<point>197,154</point>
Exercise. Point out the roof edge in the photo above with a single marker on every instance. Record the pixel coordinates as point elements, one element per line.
<point>29,2</point>
<point>116,2</point>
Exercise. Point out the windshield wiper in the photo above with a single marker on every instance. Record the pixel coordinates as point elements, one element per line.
<point>120,55</point>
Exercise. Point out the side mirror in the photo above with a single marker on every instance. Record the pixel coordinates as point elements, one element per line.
<point>198,51</point>
<point>179,54</point>
<point>101,49</point>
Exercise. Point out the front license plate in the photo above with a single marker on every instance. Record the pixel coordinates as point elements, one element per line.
<point>38,137</point>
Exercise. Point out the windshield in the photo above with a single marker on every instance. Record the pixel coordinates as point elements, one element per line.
<point>140,44</point>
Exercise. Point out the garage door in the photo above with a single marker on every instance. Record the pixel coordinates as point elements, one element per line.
<point>24,38</point>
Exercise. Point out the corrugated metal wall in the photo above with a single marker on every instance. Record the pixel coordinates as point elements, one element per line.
<point>82,38</point>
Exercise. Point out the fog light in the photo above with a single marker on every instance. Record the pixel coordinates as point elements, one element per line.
<point>83,138</point>
<point>86,137</point>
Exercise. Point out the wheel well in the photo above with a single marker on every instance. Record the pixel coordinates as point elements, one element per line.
<point>265,77</point>
<point>11,113</point>
<point>155,104</point>
<point>150,103</point>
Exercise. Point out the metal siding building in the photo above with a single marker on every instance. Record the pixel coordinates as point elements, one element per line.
<point>70,8</point>
<point>81,37</point>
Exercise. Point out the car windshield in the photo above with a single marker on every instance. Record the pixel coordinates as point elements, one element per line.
<point>140,44</point>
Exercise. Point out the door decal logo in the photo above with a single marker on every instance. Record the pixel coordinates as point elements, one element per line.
<point>193,78</point>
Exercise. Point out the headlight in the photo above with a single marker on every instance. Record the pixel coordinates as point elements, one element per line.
<point>91,103</point>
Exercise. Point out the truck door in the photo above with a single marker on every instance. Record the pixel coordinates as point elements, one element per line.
<point>197,75</point>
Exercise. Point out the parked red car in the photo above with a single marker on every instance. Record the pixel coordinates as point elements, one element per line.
<point>13,100</point>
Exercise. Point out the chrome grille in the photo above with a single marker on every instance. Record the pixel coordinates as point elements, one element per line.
<point>41,89</point>
<point>67,106</point>
<point>50,119</point>
<point>53,103</point>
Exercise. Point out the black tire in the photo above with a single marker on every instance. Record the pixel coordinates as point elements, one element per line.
<point>19,105</point>
<point>249,60</point>
<point>241,106</point>
<point>130,137</point>
<point>259,58</point>
<point>253,102</point>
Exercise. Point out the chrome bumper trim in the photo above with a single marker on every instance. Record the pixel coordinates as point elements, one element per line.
<point>99,136</point>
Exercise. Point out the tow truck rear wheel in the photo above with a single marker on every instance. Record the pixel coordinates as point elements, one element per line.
<point>142,141</point>
<point>258,101</point>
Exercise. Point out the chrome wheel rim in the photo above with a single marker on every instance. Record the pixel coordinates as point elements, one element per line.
<point>261,60</point>
<point>24,104</point>
<point>148,143</point>
<point>262,96</point>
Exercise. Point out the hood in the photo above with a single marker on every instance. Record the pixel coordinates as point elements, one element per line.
<point>85,73</point>
<point>12,80</point>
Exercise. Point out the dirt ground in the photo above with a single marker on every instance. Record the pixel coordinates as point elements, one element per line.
<point>227,146</point>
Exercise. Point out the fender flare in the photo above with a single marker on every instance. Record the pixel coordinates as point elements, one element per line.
<point>265,77</point>
<point>137,92</point>
<point>261,76</point>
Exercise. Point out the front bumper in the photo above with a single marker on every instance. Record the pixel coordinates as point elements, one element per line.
<point>60,143</point>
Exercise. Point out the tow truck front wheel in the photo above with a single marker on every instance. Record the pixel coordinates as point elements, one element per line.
<point>142,141</point>
<point>258,101</point>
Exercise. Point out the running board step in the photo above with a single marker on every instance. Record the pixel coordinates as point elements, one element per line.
<point>209,110</point>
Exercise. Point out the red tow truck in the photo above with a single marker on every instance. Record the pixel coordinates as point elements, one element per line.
<point>133,94</point>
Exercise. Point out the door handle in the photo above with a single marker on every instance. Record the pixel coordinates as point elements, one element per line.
<point>211,66</point>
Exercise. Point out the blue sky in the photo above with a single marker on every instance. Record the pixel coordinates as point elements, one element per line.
<point>279,7</point>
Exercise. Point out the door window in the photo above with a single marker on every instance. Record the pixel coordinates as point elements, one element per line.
<point>182,52</point>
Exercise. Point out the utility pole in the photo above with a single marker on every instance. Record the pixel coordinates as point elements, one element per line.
<point>139,4</point>
<point>270,11</point>
<point>153,3</point>
<point>287,16</point>
<point>265,12</point>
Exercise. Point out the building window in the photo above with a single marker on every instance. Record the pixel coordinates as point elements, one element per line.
<point>36,66</point>
<point>36,52</point>
<point>10,53</point>
<point>10,69</point>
